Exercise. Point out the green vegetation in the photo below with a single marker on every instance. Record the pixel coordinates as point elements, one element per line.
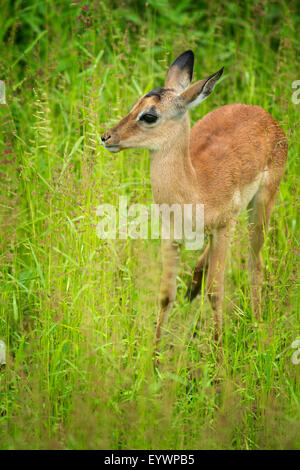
<point>78,313</point>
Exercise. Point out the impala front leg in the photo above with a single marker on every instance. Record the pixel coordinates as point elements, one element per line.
<point>170,258</point>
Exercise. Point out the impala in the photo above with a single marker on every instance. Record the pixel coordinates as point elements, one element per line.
<point>233,158</point>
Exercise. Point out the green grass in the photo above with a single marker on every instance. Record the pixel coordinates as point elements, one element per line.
<point>78,313</point>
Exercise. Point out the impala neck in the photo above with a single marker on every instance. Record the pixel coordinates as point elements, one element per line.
<point>172,171</point>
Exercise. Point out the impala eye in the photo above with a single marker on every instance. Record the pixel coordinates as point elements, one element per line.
<point>148,118</point>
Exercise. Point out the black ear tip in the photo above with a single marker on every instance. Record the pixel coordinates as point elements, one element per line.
<point>185,59</point>
<point>188,52</point>
<point>221,71</point>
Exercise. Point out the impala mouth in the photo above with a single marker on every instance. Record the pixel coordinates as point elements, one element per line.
<point>112,148</point>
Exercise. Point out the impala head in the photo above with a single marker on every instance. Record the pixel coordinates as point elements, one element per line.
<point>158,117</point>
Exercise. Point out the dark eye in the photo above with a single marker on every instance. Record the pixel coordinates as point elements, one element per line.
<point>149,118</point>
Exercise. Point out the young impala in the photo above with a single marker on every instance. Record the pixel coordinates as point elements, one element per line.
<point>233,158</point>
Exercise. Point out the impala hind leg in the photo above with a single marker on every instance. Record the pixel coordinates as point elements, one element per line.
<point>215,277</point>
<point>260,209</point>
<point>170,258</point>
<point>194,286</point>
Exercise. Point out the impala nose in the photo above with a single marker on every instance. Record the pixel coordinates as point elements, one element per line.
<point>105,137</point>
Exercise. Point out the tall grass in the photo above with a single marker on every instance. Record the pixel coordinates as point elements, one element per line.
<point>78,313</point>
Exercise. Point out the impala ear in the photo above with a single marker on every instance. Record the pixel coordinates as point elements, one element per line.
<point>195,94</point>
<point>180,73</point>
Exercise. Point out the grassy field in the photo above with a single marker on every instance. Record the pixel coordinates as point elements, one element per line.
<point>78,313</point>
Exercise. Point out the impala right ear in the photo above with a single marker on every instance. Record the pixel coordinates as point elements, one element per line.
<point>198,92</point>
<point>180,73</point>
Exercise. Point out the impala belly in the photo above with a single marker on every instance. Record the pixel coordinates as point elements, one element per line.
<point>242,197</point>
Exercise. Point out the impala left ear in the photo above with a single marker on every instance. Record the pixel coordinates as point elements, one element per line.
<point>197,93</point>
<point>180,73</point>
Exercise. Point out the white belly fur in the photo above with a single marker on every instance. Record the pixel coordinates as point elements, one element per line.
<point>243,196</point>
